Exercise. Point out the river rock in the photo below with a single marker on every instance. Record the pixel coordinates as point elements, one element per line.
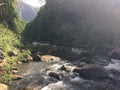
<point>68,68</point>
<point>3,87</point>
<point>13,52</point>
<point>33,87</point>
<point>29,58</point>
<point>92,72</point>
<point>49,58</point>
<point>1,55</point>
<point>55,75</point>
<point>115,53</point>
<point>36,58</point>
<point>17,77</point>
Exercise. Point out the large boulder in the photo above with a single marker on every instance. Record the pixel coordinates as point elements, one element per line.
<point>49,58</point>
<point>115,53</point>
<point>3,87</point>
<point>92,72</point>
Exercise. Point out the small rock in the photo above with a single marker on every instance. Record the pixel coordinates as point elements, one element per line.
<point>14,71</point>
<point>29,58</point>
<point>77,70</point>
<point>36,58</point>
<point>115,53</point>
<point>17,77</point>
<point>24,61</point>
<point>33,87</point>
<point>3,87</point>
<point>49,58</point>
<point>55,75</point>
<point>13,53</point>
<point>19,62</point>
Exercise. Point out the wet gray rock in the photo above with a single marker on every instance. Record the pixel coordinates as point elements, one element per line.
<point>100,60</point>
<point>36,58</point>
<point>55,75</point>
<point>115,53</point>
<point>92,72</point>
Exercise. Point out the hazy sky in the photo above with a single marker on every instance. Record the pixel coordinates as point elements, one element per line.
<point>35,3</point>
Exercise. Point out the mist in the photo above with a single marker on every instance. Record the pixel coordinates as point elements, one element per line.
<point>101,14</point>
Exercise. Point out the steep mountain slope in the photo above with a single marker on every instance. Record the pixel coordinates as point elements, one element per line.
<point>76,22</point>
<point>27,10</point>
<point>9,16</point>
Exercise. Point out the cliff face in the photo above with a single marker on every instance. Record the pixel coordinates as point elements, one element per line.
<point>26,11</point>
<point>76,22</point>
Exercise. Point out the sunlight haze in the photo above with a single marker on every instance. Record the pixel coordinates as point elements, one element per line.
<point>34,3</point>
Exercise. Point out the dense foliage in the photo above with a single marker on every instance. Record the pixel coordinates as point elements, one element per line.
<point>11,27</point>
<point>9,16</point>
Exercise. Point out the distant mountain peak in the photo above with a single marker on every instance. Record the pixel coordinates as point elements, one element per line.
<point>28,8</point>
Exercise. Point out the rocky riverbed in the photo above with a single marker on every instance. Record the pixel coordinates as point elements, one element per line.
<point>85,71</point>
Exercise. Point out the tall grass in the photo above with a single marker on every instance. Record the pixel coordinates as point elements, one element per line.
<point>9,41</point>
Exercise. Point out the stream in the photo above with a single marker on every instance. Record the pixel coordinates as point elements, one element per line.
<point>95,73</point>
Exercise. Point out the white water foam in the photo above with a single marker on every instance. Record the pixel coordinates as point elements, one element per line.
<point>56,86</point>
<point>114,65</point>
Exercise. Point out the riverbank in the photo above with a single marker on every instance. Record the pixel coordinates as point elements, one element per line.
<point>54,65</point>
<point>84,71</point>
<point>10,53</point>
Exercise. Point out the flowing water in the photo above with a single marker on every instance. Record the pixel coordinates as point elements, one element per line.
<point>36,74</point>
<point>60,75</point>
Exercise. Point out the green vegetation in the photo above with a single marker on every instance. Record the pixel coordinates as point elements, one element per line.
<point>9,16</point>
<point>9,41</point>
<point>11,26</point>
<point>64,22</point>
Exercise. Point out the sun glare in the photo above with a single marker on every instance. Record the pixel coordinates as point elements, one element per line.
<point>34,3</point>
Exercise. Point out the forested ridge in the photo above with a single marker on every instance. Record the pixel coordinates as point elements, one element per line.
<point>68,22</point>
